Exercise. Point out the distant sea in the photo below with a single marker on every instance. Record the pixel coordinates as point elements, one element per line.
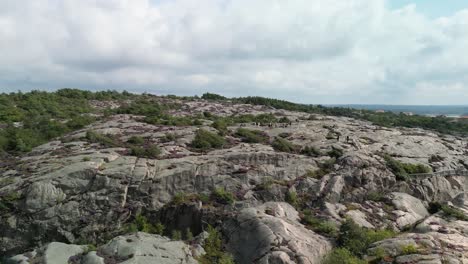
<point>429,110</point>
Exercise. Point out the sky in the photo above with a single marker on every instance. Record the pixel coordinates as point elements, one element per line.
<point>308,51</point>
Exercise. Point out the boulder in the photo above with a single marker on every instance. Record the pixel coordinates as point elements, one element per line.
<point>409,210</point>
<point>271,233</point>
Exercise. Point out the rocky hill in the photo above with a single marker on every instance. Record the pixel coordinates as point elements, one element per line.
<point>234,183</point>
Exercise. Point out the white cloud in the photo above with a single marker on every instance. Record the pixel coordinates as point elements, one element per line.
<point>320,51</point>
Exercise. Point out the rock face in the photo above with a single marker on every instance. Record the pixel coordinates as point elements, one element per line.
<point>145,248</point>
<point>271,233</point>
<point>436,241</point>
<point>409,209</point>
<point>137,248</point>
<point>73,190</point>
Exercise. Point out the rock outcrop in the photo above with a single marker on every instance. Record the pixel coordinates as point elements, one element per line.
<point>271,233</point>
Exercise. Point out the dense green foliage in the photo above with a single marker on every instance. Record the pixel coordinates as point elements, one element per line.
<point>220,195</point>
<point>318,225</point>
<point>252,136</point>
<point>387,119</point>
<point>403,170</point>
<point>36,117</point>
<point>141,223</point>
<point>357,239</point>
<point>453,212</point>
<point>342,256</point>
<point>205,140</point>
<point>211,96</point>
<point>214,249</point>
<point>283,145</point>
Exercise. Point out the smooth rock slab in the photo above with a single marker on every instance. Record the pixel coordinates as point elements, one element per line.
<point>143,248</point>
<point>271,233</point>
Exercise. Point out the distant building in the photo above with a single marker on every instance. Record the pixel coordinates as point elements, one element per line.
<point>380,111</point>
<point>464,117</point>
<point>408,113</point>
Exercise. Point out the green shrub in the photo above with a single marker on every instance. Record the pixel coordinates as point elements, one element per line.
<point>318,225</point>
<point>188,234</point>
<point>402,170</point>
<point>105,140</point>
<point>180,198</point>
<point>310,151</point>
<point>86,159</point>
<point>291,198</point>
<point>150,152</point>
<point>357,239</point>
<point>168,137</point>
<point>220,195</point>
<point>252,136</point>
<point>176,235</point>
<point>409,249</point>
<point>205,140</point>
<point>342,256</point>
<point>136,140</point>
<point>142,224</point>
<point>221,126</point>
<point>335,153</point>
<point>213,246</point>
<point>375,196</point>
<point>453,212</point>
<point>283,145</point>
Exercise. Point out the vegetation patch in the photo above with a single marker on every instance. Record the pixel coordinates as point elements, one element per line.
<point>402,170</point>
<point>357,239</point>
<point>141,223</point>
<point>342,256</point>
<point>220,195</point>
<point>252,136</point>
<point>105,140</point>
<point>311,151</point>
<point>453,212</point>
<point>283,145</point>
<point>320,226</point>
<point>213,246</point>
<point>205,140</point>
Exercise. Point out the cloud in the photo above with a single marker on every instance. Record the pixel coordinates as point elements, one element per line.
<point>356,51</point>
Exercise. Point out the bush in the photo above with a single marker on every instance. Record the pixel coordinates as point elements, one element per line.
<point>311,152</point>
<point>375,196</point>
<point>150,152</point>
<point>283,145</point>
<point>136,140</point>
<point>176,235</point>
<point>205,140</point>
<point>357,239</point>
<point>142,224</point>
<point>335,153</point>
<point>453,212</point>
<point>342,256</point>
<point>291,198</point>
<point>252,136</point>
<point>105,140</point>
<point>318,225</point>
<point>402,170</point>
<point>409,249</point>
<point>214,249</point>
<point>220,195</point>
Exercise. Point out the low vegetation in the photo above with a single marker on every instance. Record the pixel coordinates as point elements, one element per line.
<point>320,226</point>
<point>206,140</point>
<point>357,239</point>
<point>283,145</point>
<point>213,246</point>
<point>220,195</point>
<point>402,170</point>
<point>252,136</point>
<point>141,223</point>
